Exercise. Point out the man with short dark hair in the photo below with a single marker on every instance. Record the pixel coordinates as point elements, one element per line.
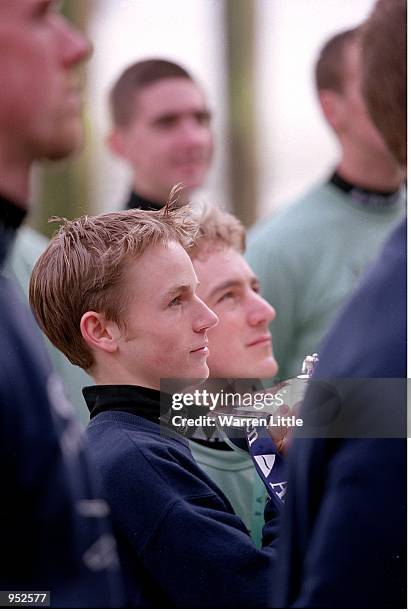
<point>161,128</point>
<point>311,256</point>
<point>54,534</point>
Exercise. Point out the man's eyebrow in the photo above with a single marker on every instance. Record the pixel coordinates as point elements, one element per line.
<point>233,283</point>
<point>166,117</point>
<point>173,115</point>
<point>46,6</point>
<point>178,289</point>
<point>55,5</point>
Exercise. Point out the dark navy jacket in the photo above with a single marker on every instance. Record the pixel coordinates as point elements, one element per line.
<point>343,537</point>
<point>54,533</point>
<point>179,540</point>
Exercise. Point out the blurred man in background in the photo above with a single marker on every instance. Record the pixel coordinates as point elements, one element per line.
<point>161,128</point>
<point>343,538</point>
<point>27,248</point>
<point>311,256</point>
<point>54,535</point>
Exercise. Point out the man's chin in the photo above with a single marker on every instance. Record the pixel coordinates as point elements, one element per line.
<point>187,381</point>
<point>264,370</point>
<point>201,372</point>
<point>273,367</point>
<point>64,146</point>
<point>192,181</point>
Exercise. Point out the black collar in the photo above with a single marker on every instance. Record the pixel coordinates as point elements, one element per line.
<point>136,201</point>
<point>140,401</point>
<point>11,217</point>
<point>367,198</point>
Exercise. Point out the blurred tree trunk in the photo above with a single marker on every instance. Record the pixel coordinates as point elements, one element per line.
<point>242,163</point>
<point>63,187</point>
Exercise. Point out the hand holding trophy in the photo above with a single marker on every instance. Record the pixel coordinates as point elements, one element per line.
<point>268,437</point>
<point>292,391</point>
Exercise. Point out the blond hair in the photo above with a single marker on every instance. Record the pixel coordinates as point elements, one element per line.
<point>217,229</point>
<point>83,268</point>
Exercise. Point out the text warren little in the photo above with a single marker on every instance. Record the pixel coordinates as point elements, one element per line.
<point>231,420</point>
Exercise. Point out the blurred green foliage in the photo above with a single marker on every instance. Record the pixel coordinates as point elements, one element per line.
<point>240,62</point>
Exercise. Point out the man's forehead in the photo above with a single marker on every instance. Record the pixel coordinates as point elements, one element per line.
<point>173,287</point>
<point>164,266</point>
<point>155,288</point>
<point>222,267</point>
<point>11,8</point>
<point>31,4</point>
<point>221,257</point>
<point>172,95</point>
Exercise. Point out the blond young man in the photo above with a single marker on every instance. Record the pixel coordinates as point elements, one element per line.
<point>240,348</point>
<point>117,294</point>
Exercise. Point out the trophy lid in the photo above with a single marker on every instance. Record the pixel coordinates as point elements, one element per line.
<point>308,367</point>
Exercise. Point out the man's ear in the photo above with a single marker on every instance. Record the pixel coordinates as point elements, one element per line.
<point>99,333</point>
<point>332,105</point>
<point>117,142</point>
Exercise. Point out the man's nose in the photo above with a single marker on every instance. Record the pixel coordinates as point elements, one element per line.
<point>205,318</point>
<point>192,132</point>
<point>75,46</point>
<point>260,310</point>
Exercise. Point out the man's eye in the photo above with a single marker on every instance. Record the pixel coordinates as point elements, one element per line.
<point>229,295</point>
<point>177,301</point>
<point>47,7</point>
<point>166,122</point>
<point>256,288</point>
<point>203,118</point>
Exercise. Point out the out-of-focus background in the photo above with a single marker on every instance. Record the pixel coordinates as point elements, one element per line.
<point>254,59</point>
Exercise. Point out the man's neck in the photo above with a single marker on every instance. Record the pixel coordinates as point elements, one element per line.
<point>135,200</point>
<point>111,374</point>
<point>375,174</point>
<point>158,199</point>
<point>14,180</point>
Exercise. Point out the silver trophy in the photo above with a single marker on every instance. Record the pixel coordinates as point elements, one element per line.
<point>232,422</point>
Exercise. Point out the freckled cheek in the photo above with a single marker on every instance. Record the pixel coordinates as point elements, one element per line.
<point>169,354</point>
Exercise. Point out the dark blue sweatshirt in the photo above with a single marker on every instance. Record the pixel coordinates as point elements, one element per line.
<point>343,537</point>
<point>180,542</point>
<point>54,533</point>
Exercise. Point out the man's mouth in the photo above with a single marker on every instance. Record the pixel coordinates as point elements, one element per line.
<point>74,100</point>
<point>201,350</point>
<point>266,339</point>
<point>191,161</point>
